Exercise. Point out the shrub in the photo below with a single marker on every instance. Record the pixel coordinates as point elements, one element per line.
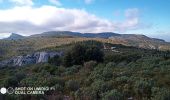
<point>90,65</point>
<point>107,73</point>
<point>59,87</point>
<point>72,70</point>
<point>80,53</point>
<point>94,53</point>
<point>20,76</point>
<point>73,85</point>
<point>112,95</point>
<point>101,86</point>
<point>143,87</point>
<point>110,64</point>
<point>86,93</point>
<point>11,82</point>
<point>160,94</point>
<point>56,60</point>
<point>122,79</point>
<point>55,80</point>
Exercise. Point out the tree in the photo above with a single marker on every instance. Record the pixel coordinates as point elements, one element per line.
<point>73,85</point>
<point>94,53</point>
<point>143,87</point>
<point>113,95</point>
<point>160,94</point>
<point>67,61</point>
<point>81,53</point>
<point>56,60</point>
<point>11,82</point>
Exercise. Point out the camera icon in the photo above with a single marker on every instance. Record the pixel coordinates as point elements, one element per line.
<point>10,90</point>
<point>4,90</point>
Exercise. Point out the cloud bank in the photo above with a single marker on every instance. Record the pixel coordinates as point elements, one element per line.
<point>31,20</point>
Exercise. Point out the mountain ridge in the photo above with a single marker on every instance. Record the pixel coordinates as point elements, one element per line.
<point>136,40</point>
<point>92,35</point>
<point>106,35</point>
<point>45,41</point>
<point>14,36</point>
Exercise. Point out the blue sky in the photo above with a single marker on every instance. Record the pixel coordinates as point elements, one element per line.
<point>148,17</point>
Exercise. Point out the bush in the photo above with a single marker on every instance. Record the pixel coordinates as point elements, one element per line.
<point>14,80</point>
<point>59,87</point>
<point>107,73</point>
<point>110,64</point>
<point>72,70</point>
<point>90,65</point>
<point>20,76</point>
<point>94,53</point>
<point>80,53</point>
<point>101,86</point>
<point>112,95</point>
<point>122,79</point>
<point>73,85</point>
<point>121,57</point>
<point>56,60</point>
<point>160,94</point>
<point>143,87</point>
<point>86,93</point>
<point>11,82</point>
<point>48,68</point>
<point>55,80</point>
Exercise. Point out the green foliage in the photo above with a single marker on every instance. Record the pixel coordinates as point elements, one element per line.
<point>72,70</point>
<point>11,82</point>
<point>94,53</point>
<point>56,60</point>
<point>59,87</point>
<point>14,80</point>
<point>113,95</point>
<point>128,57</point>
<point>90,65</point>
<point>143,87</point>
<point>107,73</point>
<point>133,73</point>
<point>73,85</point>
<point>160,94</point>
<point>81,53</point>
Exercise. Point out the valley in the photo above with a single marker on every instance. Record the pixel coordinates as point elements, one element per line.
<point>91,69</point>
<point>17,45</point>
<point>132,67</point>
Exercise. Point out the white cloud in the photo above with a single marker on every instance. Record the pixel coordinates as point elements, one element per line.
<point>30,20</point>
<point>55,2</point>
<point>132,21</point>
<point>23,2</point>
<point>88,1</point>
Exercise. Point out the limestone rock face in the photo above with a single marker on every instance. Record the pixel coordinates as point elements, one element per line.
<point>38,57</point>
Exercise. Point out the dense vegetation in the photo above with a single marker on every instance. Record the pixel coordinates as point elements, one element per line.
<point>87,72</point>
<point>10,48</point>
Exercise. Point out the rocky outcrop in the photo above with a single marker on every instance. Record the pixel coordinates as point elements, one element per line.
<point>38,57</point>
<point>14,36</point>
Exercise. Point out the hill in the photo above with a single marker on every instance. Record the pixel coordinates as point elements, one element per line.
<point>76,34</point>
<point>141,41</point>
<point>19,45</point>
<point>88,71</point>
<point>14,36</point>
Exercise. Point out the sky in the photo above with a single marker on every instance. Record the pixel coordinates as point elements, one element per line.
<point>27,17</point>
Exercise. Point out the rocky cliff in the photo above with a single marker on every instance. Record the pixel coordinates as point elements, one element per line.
<point>38,57</point>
